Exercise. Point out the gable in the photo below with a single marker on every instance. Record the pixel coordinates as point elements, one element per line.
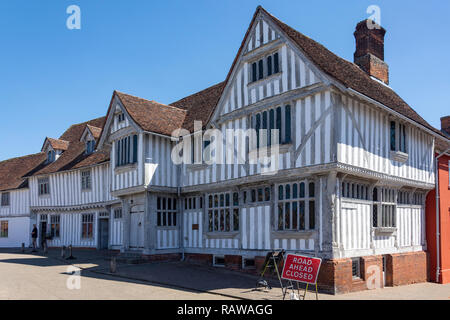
<point>264,44</point>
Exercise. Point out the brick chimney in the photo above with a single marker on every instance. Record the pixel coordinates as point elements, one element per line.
<point>369,54</point>
<point>445,124</point>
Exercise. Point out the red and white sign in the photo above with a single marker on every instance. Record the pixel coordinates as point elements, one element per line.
<point>301,269</point>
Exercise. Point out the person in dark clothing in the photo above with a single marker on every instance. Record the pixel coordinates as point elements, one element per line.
<point>34,235</point>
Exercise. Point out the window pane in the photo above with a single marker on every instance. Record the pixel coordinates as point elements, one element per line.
<point>276,67</point>
<point>280,216</point>
<point>260,69</point>
<point>311,190</point>
<point>302,190</point>
<point>302,215</point>
<point>392,135</point>
<point>267,194</point>
<point>280,193</point>
<point>269,65</point>
<point>312,215</point>
<point>287,129</point>
<point>254,72</point>
<point>236,219</point>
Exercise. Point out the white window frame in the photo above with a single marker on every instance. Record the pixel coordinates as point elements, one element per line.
<point>86,180</point>
<point>43,186</point>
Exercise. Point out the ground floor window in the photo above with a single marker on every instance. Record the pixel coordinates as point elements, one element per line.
<point>223,212</point>
<point>4,229</point>
<point>55,226</point>
<point>295,208</point>
<point>166,210</point>
<point>384,208</point>
<point>87,226</point>
<point>356,268</point>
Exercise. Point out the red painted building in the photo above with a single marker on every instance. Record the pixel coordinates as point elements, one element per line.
<point>438,216</point>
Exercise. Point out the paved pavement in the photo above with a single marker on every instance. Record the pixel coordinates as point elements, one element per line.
<point>38,277</point>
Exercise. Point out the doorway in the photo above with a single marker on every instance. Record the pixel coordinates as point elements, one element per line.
<point>42,233</point>
<point>137,229</point>
<point>103,233</point>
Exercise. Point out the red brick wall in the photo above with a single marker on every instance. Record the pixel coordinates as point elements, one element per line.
<point>233,262</point>
<point>406,268</point>
<point>199,258</point>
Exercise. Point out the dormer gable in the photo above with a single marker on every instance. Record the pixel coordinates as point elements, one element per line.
<point>90,137</point>
<point>53,148</point>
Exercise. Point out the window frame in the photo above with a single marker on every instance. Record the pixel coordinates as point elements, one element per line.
<point>298,198</point>
<point>126,152</point>
<point>118,213</point>
<point>4,232</point>
<point>398,136</point>
<point>86,180</point>
<point>227,211</point>
<point>55,225</point>
<point>384,208</point>
<point>87,226</point>
<point>5,199</point>
<point>265,66</point>
<point>43,186</point>
<point>166,217</point>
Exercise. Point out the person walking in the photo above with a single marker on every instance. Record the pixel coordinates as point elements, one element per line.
<point>34,235</point>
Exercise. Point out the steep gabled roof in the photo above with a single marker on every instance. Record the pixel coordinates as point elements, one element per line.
<point>349,74</point>
<point>200,105</point>
<point>152,116</point>
<point>75,157</point>
<point>96,131</point>
<point>57,144</point>
<point>13,172</point>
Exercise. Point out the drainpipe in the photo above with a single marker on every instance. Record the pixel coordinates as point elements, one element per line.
<point>436,164</point>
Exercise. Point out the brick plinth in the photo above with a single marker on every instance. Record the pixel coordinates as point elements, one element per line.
<point>406,268</point>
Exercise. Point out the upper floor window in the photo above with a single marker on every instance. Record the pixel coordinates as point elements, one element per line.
<point>397,136</point>
<point>126,150</point>
<point>51,156</point>
<point>296,206</point>
<point>90,146</point>
<point>223,212</point>
<point>43,186</point>
<point>86,181</point>
<point>121,117</point>
<point>265,67</point>
<point>5,199</point>
<point>274,119</point>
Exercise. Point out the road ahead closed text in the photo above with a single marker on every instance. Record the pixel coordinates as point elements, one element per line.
<point>300,268</point>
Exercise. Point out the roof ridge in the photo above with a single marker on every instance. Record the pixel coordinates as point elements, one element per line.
<point>22,157</point>
<point>152,101</point>
<point>198,92</point>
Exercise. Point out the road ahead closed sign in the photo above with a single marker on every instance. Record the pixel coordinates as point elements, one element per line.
<point>301,269</point>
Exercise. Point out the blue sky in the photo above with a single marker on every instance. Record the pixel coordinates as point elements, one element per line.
<point>53,77</point>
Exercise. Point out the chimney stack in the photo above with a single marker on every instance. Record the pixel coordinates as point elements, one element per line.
<point>445,125</point>
<point>369,54</point>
